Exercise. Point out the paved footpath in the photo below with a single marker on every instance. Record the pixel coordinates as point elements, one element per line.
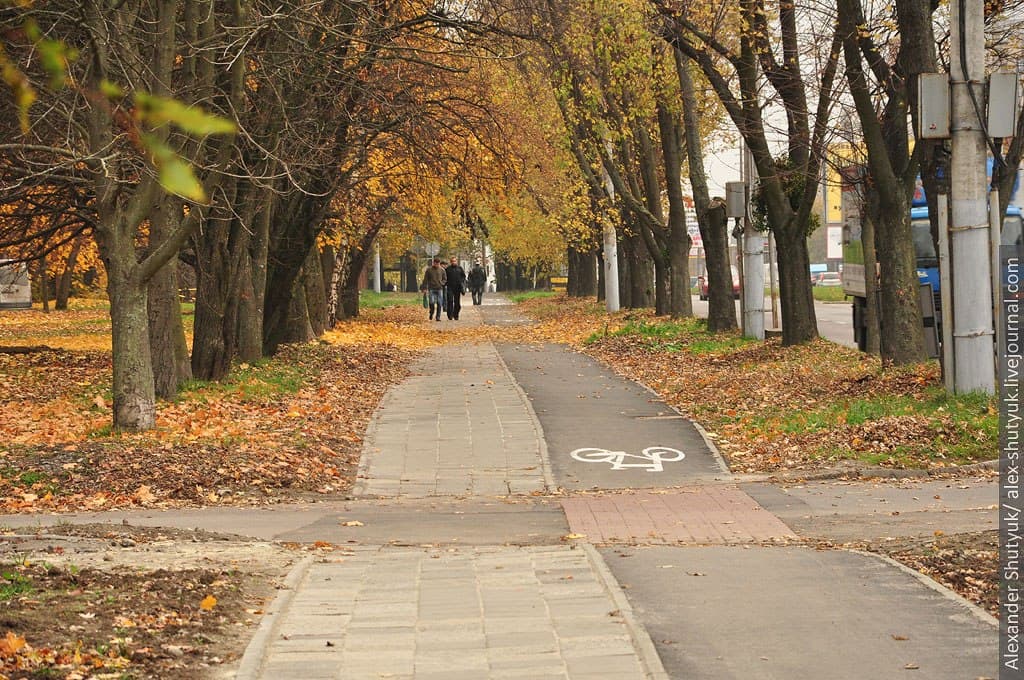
<point>456,451</point>
<point>523,512</point>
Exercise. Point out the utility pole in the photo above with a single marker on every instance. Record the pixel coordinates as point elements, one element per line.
<point>611,246</point>
<point>973,328</point>
<point>753,260</point>
<point>376,268</point>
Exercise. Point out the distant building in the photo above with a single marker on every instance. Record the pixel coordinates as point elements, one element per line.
<point>15,285</point>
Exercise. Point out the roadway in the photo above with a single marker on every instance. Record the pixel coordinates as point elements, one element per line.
<point>835,319</point>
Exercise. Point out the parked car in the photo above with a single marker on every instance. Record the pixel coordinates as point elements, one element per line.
<point>828,279</point>
<point>702,285</point>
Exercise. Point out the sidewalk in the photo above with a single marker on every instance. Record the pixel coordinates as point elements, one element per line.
<point>522,512</point>
<point>461,433</point>
<point>461,568</point>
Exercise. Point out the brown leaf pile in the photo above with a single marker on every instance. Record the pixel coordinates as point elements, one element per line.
<point>210,447</point>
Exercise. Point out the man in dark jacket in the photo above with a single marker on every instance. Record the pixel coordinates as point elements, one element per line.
<point>433,286</point>
<point>477,281</point>
<point>454,288</point>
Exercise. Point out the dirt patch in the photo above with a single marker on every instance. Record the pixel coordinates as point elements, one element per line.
<point>92,601</point>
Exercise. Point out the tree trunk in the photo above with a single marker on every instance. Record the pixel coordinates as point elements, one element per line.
<point>871,312</point>
<point>754,63</point>
<point>253,284</point>
<point>681,304</point>
<point>220,249</point>
<point>715,235</point>
<point>901,327</point>
<point>316,298</point>
<point>348,297</point>
<point>582,272</point>
<point>134,391</point>
<point>329,274</point>
<point>62,292</point>
<point>168,346</point>
<point>639,279</point>
<point>293,234</point>
<point>297,328</point>
<point>44,284</point>
<point>711,217</point>
<point>899,306</point>
<point>799,324</point>
<point>652,224</point>
<point>411,274</point>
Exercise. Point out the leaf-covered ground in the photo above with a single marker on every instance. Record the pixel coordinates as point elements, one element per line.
<point>292,428</point>
<point>283,429</point>
<point>124,602</point>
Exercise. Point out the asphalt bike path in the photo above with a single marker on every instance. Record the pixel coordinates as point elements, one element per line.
<point>603,431</point>
<point>477,545</point>
<point>717,580</point>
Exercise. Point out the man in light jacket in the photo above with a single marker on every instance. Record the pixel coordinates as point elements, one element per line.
<point>433,285</point>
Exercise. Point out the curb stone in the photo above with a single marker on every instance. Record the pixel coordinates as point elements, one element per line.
<point>875,473</point>
<point>950,595</point>
<point>545,461</point>
<point>363,470</point>
<point>642,642</point>
<point>252,660</point>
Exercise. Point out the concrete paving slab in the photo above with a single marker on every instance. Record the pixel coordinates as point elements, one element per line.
<point>773,613</point>
<point>867,510</point>
<point>624,436</point>
<point>458,412</point>
<point>392,621</point>
<point>437,521</point>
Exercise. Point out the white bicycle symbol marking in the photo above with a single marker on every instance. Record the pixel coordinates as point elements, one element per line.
<point>655,455</point>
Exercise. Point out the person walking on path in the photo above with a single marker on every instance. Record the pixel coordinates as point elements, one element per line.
<point>477,281</point>
<point>455,288</point>
<point>433,285</point>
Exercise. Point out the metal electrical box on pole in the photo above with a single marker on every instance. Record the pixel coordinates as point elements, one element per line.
<point>1003,104</point>
<point>735,199</point>
<point>736,209</point>
<point>933,105</point>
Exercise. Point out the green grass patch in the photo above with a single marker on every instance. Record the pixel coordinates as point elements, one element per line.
<point>27,477</point>
<point>261,381</point>
<point>368,299</point>
<point>523,295</point>
<point>972,417</point>
<point>683,335</point>
<point>13,584</point>
<point>828,293</point>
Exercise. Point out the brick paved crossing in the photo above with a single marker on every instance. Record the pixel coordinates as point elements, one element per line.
<point>707,515</point>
